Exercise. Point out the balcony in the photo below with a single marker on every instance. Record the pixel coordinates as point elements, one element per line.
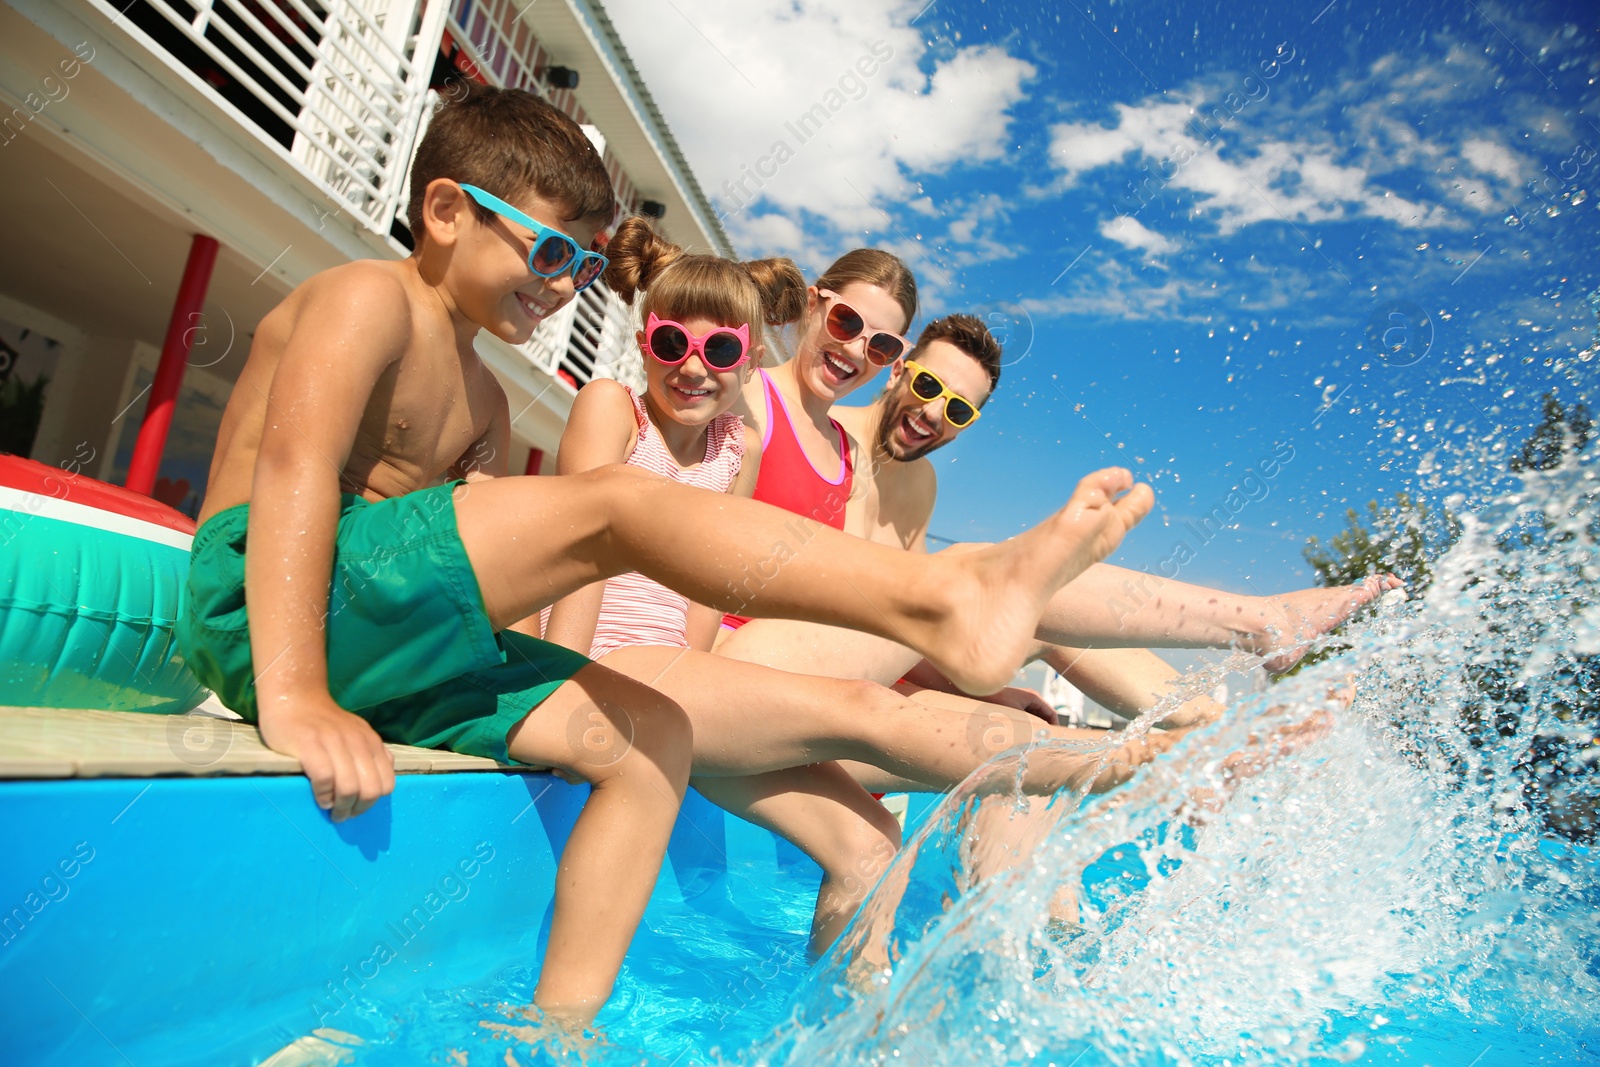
<point>339,90</point>
<point>335,88</point>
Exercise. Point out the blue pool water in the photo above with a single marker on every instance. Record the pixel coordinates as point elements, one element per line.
<point>710,975</point>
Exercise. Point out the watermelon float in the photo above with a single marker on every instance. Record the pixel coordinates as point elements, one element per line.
<point>91,578</point>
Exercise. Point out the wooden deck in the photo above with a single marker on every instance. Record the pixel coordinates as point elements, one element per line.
<point>79,743</point>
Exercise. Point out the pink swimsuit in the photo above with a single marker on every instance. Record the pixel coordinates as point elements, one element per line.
<point>636,610</point>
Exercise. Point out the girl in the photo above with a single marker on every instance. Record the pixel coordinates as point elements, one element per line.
<point>764,740</point>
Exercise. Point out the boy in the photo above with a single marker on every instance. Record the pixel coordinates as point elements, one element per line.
<point>364,449</point>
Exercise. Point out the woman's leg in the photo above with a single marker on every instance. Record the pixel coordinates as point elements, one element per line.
<point>633,746</point>
<point>810,648</point>
<point>830,818</point>
<point>750,719</point>
<point>533,540</point>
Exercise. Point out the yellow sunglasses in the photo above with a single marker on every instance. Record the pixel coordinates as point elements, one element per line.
<point>926,385</point>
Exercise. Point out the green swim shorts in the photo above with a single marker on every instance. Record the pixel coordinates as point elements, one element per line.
<point>409,646</point>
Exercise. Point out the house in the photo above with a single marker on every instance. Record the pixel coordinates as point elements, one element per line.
<point>173,168</point>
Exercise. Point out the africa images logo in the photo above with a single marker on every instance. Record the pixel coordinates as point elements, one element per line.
<point>1400,332</point>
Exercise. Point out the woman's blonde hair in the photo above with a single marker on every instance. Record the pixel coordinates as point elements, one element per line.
<point>680,285</point>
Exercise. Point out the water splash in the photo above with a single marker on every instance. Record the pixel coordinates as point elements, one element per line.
<point>1420,873</point>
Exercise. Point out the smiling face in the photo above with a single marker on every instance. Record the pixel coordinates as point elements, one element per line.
<point>488,274</point>
<point>910,427</point>
<point>692,393</point>
<point>833,369</point>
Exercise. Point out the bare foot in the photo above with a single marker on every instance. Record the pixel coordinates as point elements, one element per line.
<point>1290,622</point>
<point>993,596</point>
<point>565,1037</point>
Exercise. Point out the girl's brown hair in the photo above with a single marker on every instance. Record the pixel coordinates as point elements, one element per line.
<point>680,285</point>
<point>873,266</point>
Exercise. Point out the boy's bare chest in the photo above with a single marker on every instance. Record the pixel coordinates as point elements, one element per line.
<point>423,416</point>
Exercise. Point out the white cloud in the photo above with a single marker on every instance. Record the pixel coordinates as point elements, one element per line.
<point>817,111</point>
<point>1105,287</point>
<point>1156,129</point>
<point>1109,290</point>
<point>767,230</point>
<point>1129,231</point>
<point>1273,156</point>
<point>1494,159</point>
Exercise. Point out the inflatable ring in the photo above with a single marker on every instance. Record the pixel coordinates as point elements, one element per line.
<point>91,579</point>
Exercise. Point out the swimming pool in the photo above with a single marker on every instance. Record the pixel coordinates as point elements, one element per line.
<point>1416,886</point>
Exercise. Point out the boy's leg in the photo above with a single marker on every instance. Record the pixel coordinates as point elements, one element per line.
<point>633,746</point>
<point>533,540</point>
<point>825,814</point>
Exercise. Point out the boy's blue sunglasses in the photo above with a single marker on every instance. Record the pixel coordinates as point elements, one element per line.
<point>553,253</point>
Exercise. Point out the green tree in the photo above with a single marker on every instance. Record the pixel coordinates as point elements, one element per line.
<point>1562,430</point>
<point>1402,539</point>
<point>1560,777</point>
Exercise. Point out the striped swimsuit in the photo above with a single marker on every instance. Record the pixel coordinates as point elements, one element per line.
<point>636,610</point>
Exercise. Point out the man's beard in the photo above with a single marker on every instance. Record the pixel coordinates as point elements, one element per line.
<point>893,413</point>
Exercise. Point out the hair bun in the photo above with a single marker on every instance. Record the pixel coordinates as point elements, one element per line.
<point>782,288</point>
<point>637,255</point>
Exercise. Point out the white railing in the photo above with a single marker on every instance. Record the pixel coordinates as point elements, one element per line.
<point>342,81</point>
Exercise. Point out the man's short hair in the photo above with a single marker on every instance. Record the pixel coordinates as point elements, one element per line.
<point>969,334</point>
<point>511,142</point>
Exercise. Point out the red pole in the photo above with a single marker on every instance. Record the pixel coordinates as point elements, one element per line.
<point>535,461</point>
<point>174,357</point>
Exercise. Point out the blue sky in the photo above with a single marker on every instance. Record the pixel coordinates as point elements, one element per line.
<point>1190,222</point>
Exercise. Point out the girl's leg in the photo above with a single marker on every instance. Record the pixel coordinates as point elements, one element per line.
<point>825,814</point>
<point>533,540</point>
<point>877,780</point>
<point>1130,681</point>
<point>633,746</point>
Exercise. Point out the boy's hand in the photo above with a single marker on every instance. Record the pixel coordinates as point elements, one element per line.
<point>342,755</point>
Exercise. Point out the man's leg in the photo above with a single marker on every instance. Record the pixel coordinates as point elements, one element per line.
<point>830,818</point>
<point>1111,607</point>
<point>533,540</point>
<point>633,746</point>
